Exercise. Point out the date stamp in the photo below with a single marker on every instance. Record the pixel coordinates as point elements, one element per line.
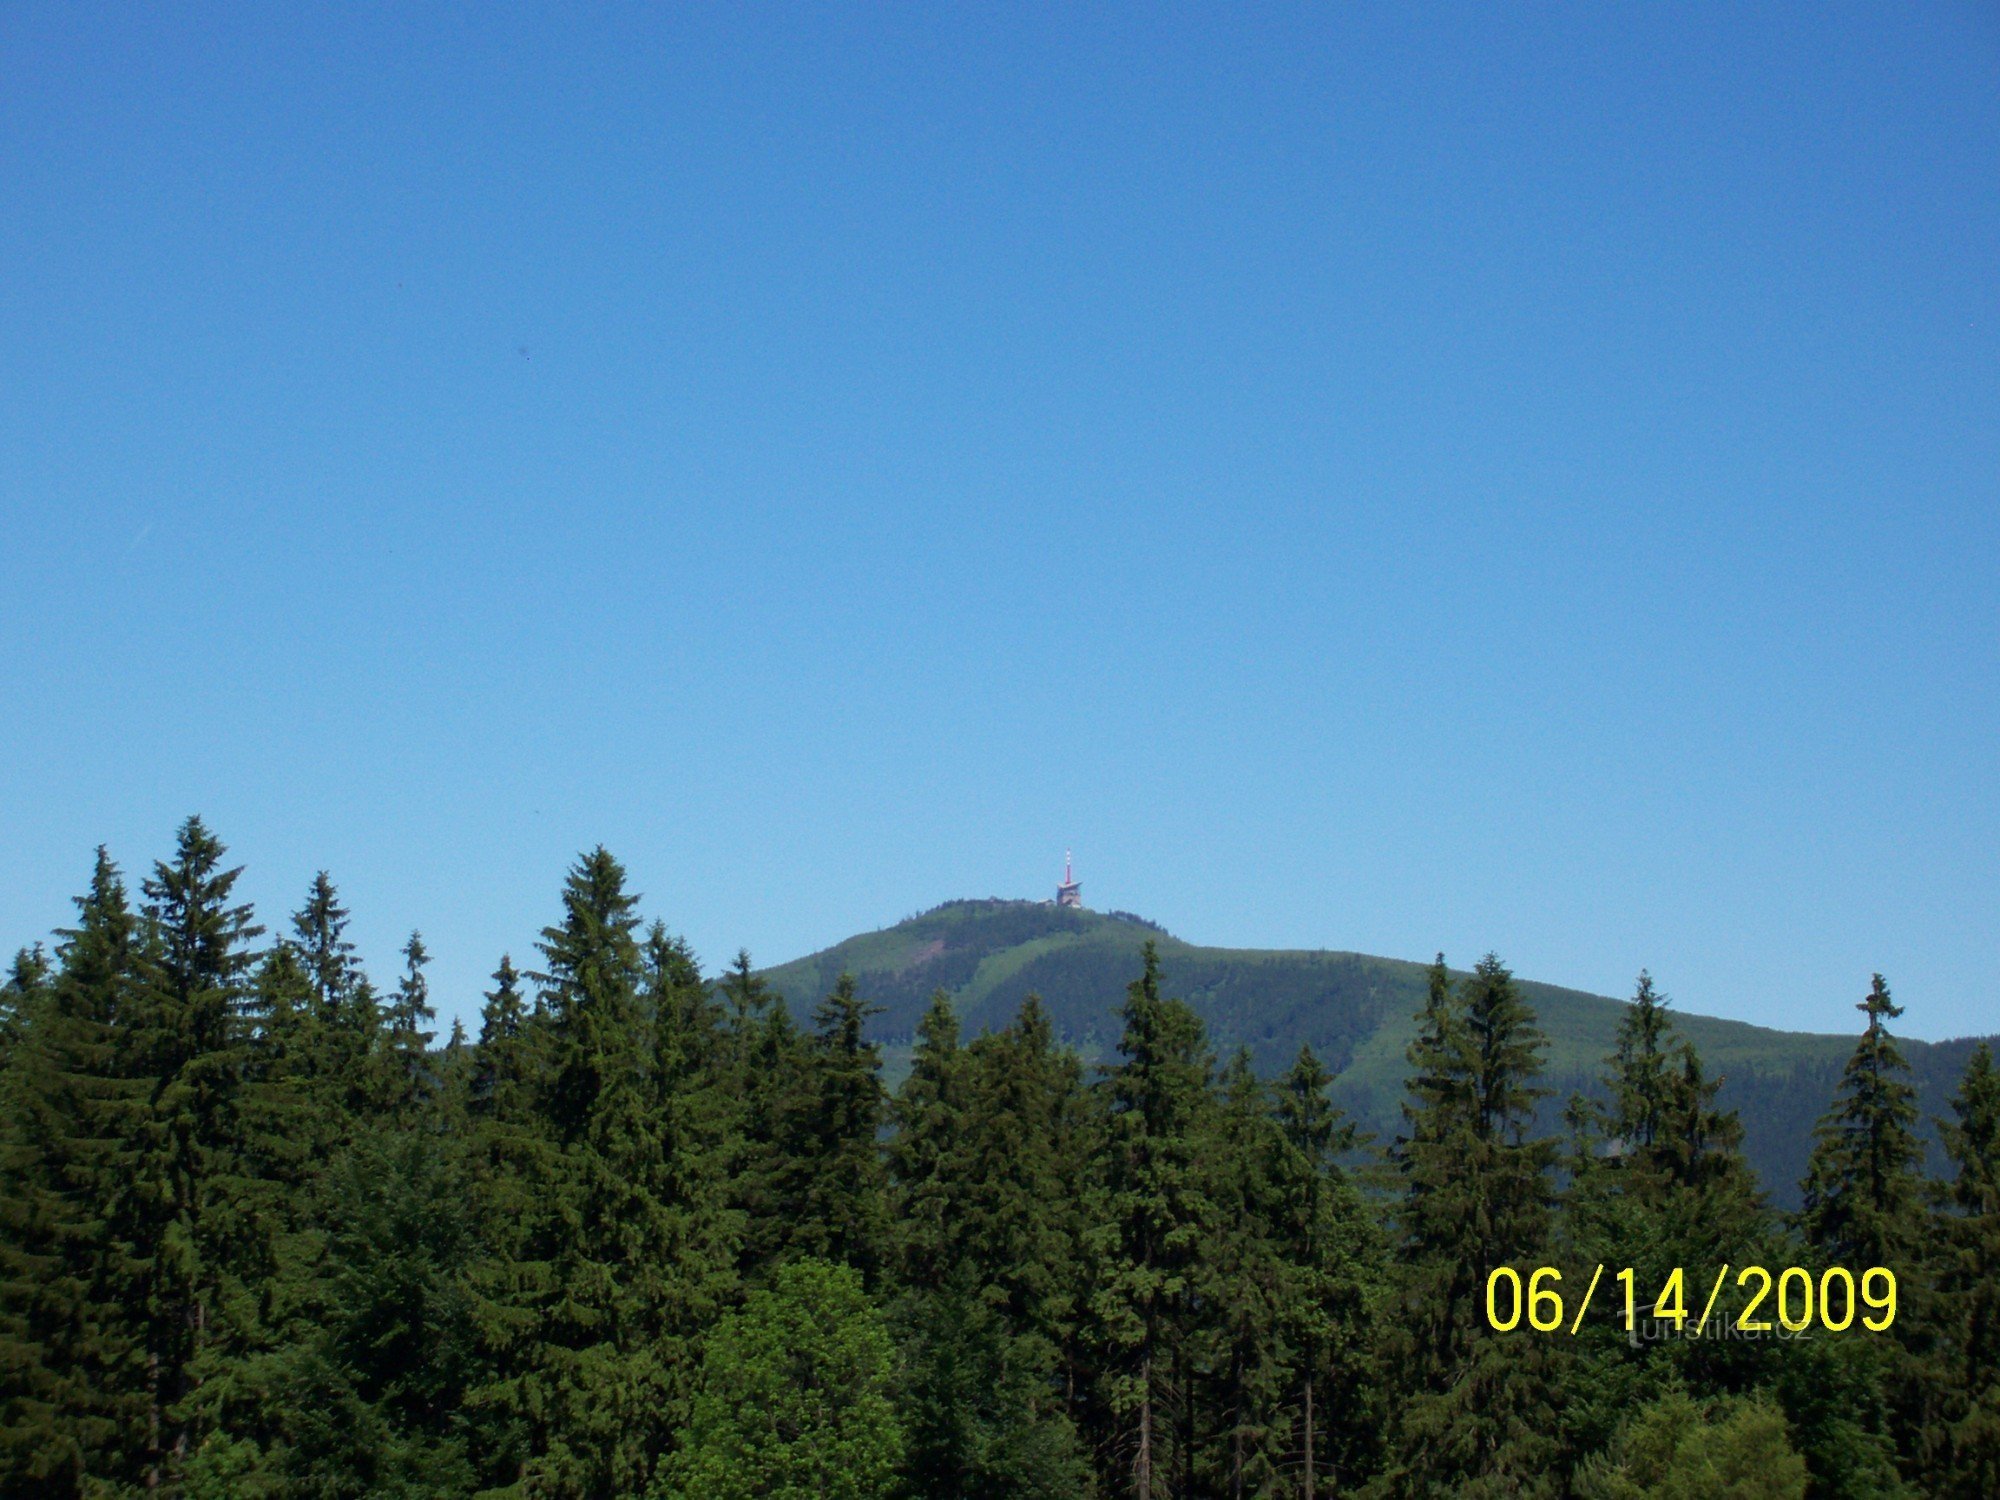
<point>1835,1301</point>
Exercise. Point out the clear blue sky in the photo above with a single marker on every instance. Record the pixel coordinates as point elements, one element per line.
<point>1363,479</point>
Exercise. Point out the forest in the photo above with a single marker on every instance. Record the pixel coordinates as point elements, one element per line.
<point>264,1233</point>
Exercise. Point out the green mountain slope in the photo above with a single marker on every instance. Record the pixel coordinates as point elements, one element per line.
<point>1357,1012</point>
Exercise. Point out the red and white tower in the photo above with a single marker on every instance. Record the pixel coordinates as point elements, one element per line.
<point>1069,893</point>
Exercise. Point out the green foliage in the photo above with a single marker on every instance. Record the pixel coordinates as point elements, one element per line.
<point>196,1228</point>
<point>628,1231</point>
<point>73,1398</point>
<point>261,1236</point>
<point>795,1400</point>
<point>1478,1413</point>
<point>407,1074</point>
<point>1862,1191</point>
<point>1355,1011</point>
<point>926,1155</point>
<point>842,1196</point>
<point>1837,1396</point>
<point>1158,1211</point>
<point>1966,1444</point>
<point>982,1416</point>
<point>1675,1449</point>
<point>1332,1258</point>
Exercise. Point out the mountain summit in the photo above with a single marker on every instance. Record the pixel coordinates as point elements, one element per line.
<point>1357,1011</point>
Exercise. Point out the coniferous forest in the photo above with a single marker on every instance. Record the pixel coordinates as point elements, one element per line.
<point>263,1232</point>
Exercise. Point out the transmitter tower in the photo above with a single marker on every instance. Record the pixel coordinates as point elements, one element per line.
<point>1069,893</point>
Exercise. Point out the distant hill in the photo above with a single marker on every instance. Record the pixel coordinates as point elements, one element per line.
<point>1358,1012</point>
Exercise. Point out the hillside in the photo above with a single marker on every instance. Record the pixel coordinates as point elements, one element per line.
<point>1357,1012</point>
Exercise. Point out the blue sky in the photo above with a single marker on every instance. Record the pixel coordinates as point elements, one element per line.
<point>1363,479</point>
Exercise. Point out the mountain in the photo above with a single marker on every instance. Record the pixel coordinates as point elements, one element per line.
<point>1357,1011</point>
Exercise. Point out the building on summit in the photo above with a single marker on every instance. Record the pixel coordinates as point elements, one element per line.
<point>1069,893</point>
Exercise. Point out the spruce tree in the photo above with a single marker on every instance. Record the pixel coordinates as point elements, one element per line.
<point>406,1077</point>
<point>748,1000</point>
<point>27,978</point>
<point>1641,1069</point>
<point>72,1397</point>
<point>1159,1213</point>
<point>768,1077</point>
<point>1676,1159</point>
<point>1331,1252</point>
<point>320,934</point>
<point>926,1153</point>
<point>499,1071</point>
<point>842,1189</point>
<point>686,1021</point>
<point>341,1031</point>
<point>976,1406</point>
<point>1027,1194</point>
<point>1862,1192</point>
<point>1439,1244</point>
<point>400,1329</point>
<point>514,1168</point>
<point>1245,1359</point>
<point>987,1249</point>
<point>455,1071</point>
<point>1658,1183</point>
<point>1967,1446</point>
<point>1478,1417</point>
<point>634,1230</point>
<point>195,1222</point>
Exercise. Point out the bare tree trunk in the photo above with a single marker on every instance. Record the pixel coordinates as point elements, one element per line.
<point>1309,1438</point>
<point>1142,1466</point>
<point>152,1422</point>
<point>1185,1389</point>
